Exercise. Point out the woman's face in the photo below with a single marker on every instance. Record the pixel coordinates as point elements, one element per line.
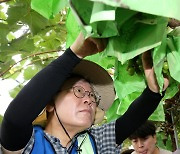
<point>74,111</point>
<point>145,145</point>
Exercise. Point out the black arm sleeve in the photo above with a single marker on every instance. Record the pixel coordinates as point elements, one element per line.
<point>137,113</point>
<point>16,129</point>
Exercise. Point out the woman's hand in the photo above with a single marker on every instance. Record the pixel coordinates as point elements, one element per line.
<point>85,47</point>
<point>149,73</point>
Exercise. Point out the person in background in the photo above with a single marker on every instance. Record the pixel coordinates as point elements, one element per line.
<point>144,140</point>
<point>73,94</point>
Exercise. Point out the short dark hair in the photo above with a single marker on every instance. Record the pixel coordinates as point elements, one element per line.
<point>146,129</point>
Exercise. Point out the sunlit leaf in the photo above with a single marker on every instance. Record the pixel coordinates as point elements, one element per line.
<point>15,91</point>
<point>112,114</point>
<point>30,71</point>
<point>35,27</point>
<point>126,84</point>
<point>48,8</point>
<point>1,117</point>
<point>73,28</point>
<point>173,57</point>
<point>4,30</point>
<point>169,9</point>
<point>10,36</point>
<point>13,15</point>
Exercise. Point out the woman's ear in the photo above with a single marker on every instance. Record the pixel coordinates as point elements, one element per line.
<point>155,138</point>
<point>49,108</point>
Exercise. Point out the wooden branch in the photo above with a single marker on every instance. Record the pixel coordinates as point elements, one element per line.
<point>2,1</point>
<point>36,54</point>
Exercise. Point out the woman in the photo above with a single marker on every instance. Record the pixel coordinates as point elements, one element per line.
<point>75,92</point>
<point>144,140</point>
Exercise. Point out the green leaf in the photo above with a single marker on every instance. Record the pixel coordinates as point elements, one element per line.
<point>37,26</point>
<point>159,55</point>
<point>158,114</point>
<point>10,36</point>
<point>83,12</point>
<point>175,32</point>
<point>15,91</point>
<point>1,118</point>
<point>171,90</point>
<point>126,84</point>
<point>2,15</point>
<point>13,15</point>
<point>73,28</point>
<point>4,30</point>
<point>118,108</point>
<point>101,12</point>
<point>111,113</point>
<point>30,71</point>
<point>173,56</point>
<point>22,44</point>
<point>136,39</point>
<point>48,8</point>
<point>105,62</point>
<point>126,101</point>
<point>160,137</point>
<point>169,9</point>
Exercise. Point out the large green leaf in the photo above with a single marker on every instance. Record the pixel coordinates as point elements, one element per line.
<point>107,63</point>
<point>158,114</point>
<point>35,27</point>
<point>4,30</point>
<point>73,28</point>
<point>134,40</point>
<point>30,71</point>
<point>159,55</point>
<point>48,8</point>
<point>112,114</point>
<point>126,84</point>
<point>165,8</point>
<point>160,137</point>
<point>171,90</point>
<point>15,91</point>
<point>21,44</point>
<point>173,56</point>
<point>23,9</point>
<point>118,108</point>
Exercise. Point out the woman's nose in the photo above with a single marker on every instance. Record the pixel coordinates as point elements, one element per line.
<point>87,100</point>
<point>140,144</point>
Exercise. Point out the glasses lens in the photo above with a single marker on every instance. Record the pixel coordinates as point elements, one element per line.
<point>79,91</point>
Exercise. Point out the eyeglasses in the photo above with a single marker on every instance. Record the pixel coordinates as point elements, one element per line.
<point>80,92</point>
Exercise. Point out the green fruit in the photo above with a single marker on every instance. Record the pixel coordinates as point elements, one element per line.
<point>140,67</point>
<point>138,61</point>
<point>165,71</point>
<point>130,63</point>
<point>131,71</point>
<point>165,66</point>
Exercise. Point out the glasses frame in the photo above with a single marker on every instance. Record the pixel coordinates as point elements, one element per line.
<point>97,97</point>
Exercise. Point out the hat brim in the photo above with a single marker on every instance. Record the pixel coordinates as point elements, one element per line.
<point>102,83</point>
<point>100,79</point>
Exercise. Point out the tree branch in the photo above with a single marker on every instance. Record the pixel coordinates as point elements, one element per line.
<point>36,54</point>
<point>2,1</point>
